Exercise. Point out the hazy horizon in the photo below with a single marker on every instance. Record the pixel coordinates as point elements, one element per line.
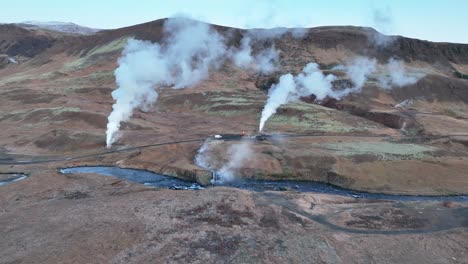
<point>438,21</point>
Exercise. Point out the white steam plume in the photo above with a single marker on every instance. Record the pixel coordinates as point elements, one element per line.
<point>291,88</point>
<point>202,159</point>
<point>278,95</point>
<point>266,61</point>
<point>397,75</point>
<point>313,81</point>
<point>238,154</point>
<point>182,60</point>
<point>358,70</point>
<point>263,62</point>
<point>242,57</point>
<point>393,73</point>
<point>383,21</point>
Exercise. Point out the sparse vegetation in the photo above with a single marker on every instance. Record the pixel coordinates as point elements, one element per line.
<point>384,150</point>
<point>55,105</point>
<point>451,113</point>
<point>94,54</point>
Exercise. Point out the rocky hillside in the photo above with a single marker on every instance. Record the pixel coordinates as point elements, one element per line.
<point>17,41</point>
<point>405,131</point>
<point>61,88</point>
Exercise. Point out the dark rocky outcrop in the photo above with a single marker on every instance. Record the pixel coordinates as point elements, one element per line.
<point>15,41</point>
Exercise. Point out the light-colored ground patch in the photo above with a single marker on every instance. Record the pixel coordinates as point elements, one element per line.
<point>385,150</point>
<point>86,60</point>
<point>312,117</point>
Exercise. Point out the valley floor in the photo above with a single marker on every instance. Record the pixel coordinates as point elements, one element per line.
<point>87,218</point>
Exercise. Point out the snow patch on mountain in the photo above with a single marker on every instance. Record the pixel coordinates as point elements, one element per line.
<point>66,27</point>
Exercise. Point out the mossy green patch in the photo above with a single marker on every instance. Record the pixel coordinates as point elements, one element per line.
<point>102,76</point>
<point>17,78</point>
<point>307,107</point>
<point>313,122</point>
<point>227,104</point>
<point>54,110</point>
<point>210,111</point>
<point>451,113</point>
<point>307,117</point>
<point>52,75</point>
<point>384,150</point>
<point>115,45</point>
<point>90,57</point>
<point>60,110</point>
<point>39,115</point>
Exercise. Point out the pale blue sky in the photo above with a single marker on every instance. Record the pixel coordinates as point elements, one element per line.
<point>429,19</point>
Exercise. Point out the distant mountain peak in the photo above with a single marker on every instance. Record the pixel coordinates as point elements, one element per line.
<point>65,27</point>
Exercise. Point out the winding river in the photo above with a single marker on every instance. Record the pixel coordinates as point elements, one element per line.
<point>157,180</point>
